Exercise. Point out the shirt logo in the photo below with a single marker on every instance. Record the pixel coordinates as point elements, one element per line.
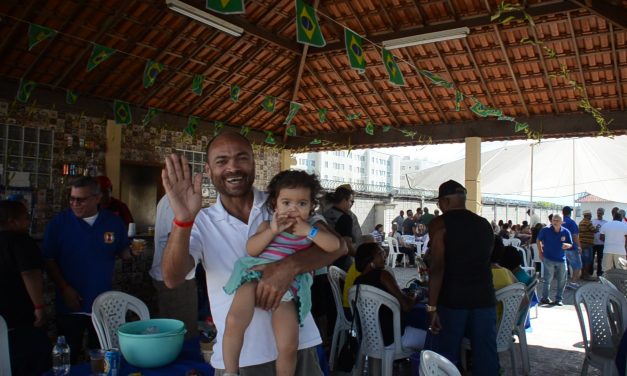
<point>109,237</point>
<point>563,238</point>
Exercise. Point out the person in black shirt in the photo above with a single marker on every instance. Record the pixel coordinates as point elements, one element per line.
<point>409,224</point>
<point>21,292</point>
<point>461,293</point>
<point>339,219</point>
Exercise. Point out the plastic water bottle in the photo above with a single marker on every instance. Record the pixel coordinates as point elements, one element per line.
<point>61,357</point>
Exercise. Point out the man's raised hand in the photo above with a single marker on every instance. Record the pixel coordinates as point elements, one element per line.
<point>184,194</point>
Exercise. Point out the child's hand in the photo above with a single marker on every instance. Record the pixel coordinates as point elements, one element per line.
<point>301,227</point>
<point>280,222</point>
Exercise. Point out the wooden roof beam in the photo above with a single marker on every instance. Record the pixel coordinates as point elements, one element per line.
<point>327,92</point>
<point>437,51</point>
<point>540,52</point>
<point>619,89</point>
<point>571,29</point>
<point>331,124</point>
<point>484,20</point>
<point>479,73</point>
<point>8,37</point>
<point>383,102</point>
<point>434,100</point>
<point>614,14</point>
<point>510,68</point>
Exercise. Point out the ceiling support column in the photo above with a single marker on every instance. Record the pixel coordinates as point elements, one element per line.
<point>286,159</point>
<point>473,174</point>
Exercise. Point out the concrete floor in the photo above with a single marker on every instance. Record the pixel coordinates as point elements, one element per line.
<point>555,342</point>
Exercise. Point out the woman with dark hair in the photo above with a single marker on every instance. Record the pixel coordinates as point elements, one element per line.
<point>511,259</point>
<point>370,261</point>
<point>339,219</point>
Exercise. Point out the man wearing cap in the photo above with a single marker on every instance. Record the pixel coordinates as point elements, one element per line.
<point>573,255</point>
<point>111,203</point>
<point>597,248</point>
<point>552,242</point>
<point>461,293</point>
<point>586,237</point>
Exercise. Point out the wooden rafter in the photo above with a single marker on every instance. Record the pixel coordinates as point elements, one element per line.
<point>437,51</point>
<point>616,71</point>
<point>314,103</point>
<point>497,33</point>
<point>571,30</point>
<point>378,95</point>
<point>8,37</point>
<point>479,73</point>
<point>327,92</point>
<point>103,30</point>
<point>545,70</point>
<point>451,8</point>
<point>421,13</point>
<point>433,100</point>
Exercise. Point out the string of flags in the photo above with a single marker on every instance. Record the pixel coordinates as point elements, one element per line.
<point>308,32</point>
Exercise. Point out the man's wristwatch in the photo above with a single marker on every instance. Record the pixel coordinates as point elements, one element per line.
<point>431,308</point>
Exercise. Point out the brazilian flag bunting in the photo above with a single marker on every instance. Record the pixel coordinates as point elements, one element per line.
<point>291,130</point>
<point>151,71</point>
<point>294,107</point>
<point>322,115</point>
<point>436,79</point>
<point>71,96</point>
<point>354,50</point>
<point>369,127</point>
<point>122,112</point>
<point>269,103</point>
<point>307,27</point>
<point>315,141</point>
<point>244,131</point>
<point>270,138</point>
<point>192,124</point>
<point>354,116</point>
<point>98,55</point>
<point>520,126</point>
<point>226,6</point>
<point>386,128</point>
<point>217,127</point>
<point>506,118</point>
<point>197,84</point>
<point>38,33</point>
<point>151,114</point>
<point>459,97</point>
<point>235,93</point>
<point>396,76</point>
<point>25,90</point>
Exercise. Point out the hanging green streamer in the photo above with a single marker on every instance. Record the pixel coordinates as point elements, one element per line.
<point>70,96</point>
<point>151,114</point>
<point>218,125</point>
<point>197,84</point>
<point>270,138</point>
<point>294,107</point>
<point>25,90</point>
<point>234,93</point>
<point>322,115</point>
<point>192,124</point>
<point>244,131</point>
<point>369,127</point>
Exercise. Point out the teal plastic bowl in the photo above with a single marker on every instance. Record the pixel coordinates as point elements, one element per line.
<point>151,343</point>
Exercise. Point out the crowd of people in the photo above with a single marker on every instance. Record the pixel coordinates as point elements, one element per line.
<point>265,257</point>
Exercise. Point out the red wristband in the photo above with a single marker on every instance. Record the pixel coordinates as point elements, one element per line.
<point>39,306</point>
<point>183,224</point>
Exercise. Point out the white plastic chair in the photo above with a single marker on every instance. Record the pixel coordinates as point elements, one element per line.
<point>536,259</point>
<point>342,325</point>
<point>602,326</point>
<point>434,364</point>
<point>5,359</point>
<point>515,242</point>
<point>519,328</point>
<point>109,313</point>
<point>618,277</point>
<point>394,251</point>
<point>510,296</point>
<point>369,301</point>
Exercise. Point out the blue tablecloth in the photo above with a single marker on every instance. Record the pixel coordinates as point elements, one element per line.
<point>190,358</point>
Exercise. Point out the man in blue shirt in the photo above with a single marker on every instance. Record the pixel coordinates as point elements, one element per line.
<point>573,255</point>
<point>552,242</point>
<point>80,246</point>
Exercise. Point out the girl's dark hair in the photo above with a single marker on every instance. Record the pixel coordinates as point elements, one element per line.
<point>497,251</point>
<point>293,179</point>
<point>365,254</point>
<point>510,258</point>
<point>10,210</point>
<point>340,194</point>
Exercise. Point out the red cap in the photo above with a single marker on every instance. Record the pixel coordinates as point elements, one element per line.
<point>104,182</point>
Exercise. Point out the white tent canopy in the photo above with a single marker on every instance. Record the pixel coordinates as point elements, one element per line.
<point>599,166</point>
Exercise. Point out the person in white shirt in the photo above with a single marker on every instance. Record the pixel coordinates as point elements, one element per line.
<point>614,234</point>
<point>181,302</point>
<point>597,247</point>
<point>216,236</point>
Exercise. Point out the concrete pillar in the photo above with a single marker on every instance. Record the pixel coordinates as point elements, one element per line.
<point>112,155</point>
<point>286,160</point>
<point>473,174</point>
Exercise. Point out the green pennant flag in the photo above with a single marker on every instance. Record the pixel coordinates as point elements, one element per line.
<point>270,138</point>
<point>315,141</point>
<point>38,33</point>
<point>294,107</point>
<point>506,118</point>
<point>25,90</point>
<point>71,96</point>
<point>520,126</point>
<point>369,127</point>
<point>151,71</point>
<point>122,112</point>
<point>192,124</point>
<point>235,93</point>
<point>151,114</point>
<point>459,97</point>
<point>354,116</point>
<point>269,103</point>
<point>386,128</point>
<point>479,109</point>
<point>291,130</point>
<point>409,134</point>
<point>197,84</point>
<point>218,125</point>
<point>396,76</point>
<point>436,79</point>
<point>98,55</point>
<point>226,6</point>
<point>355,52</point>
<point>494,112</point>
<point>322,115</point>
<point>244,131</point>
<point>307,27</point>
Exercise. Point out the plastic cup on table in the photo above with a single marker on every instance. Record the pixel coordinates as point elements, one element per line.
<point>96,361</point>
